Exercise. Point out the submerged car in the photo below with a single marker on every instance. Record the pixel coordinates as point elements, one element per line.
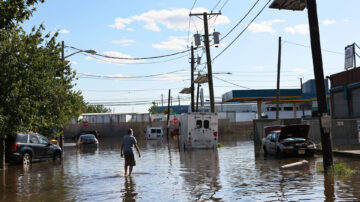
<point>154,133</point>
<point>291,140</point>
<point>24,147</point>
<point>87,140</point>
<point>94,132</point>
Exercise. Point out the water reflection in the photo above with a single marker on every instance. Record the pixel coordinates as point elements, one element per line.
<point>201,174</point>
<point>234,172</point>
<point>129,190</point>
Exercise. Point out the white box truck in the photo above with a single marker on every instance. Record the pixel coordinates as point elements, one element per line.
<point>198,130</point>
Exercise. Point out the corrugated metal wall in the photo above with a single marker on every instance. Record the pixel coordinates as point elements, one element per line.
<point>340,105</point>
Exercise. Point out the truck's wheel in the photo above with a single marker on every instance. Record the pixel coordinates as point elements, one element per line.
<point>26,159</point>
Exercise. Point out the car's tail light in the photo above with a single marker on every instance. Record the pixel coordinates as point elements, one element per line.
<point>14,147</point>
<point>215,133</point>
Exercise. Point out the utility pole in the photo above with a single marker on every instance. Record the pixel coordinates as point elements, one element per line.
<point>278,81</point>
<point>192,78</point>
<point>168,115</point>
<point>197,95</point>
<point>179,99</point>
<point>208,57</point>
<point>61,139</point>
<point>302,104</point>
<point>319,81</point>
<point>162,100</point>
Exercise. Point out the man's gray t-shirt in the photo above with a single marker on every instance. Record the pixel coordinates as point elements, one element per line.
<point>129,141</point>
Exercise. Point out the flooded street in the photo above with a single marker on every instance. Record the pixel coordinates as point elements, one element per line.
<point>232,173</point>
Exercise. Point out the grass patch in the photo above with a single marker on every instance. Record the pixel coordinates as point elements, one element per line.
<point>219,144</point>
<point>339,169</point>
<point>319,146</point>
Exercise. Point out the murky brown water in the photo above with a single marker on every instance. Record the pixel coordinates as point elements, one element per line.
<point>232,173</point>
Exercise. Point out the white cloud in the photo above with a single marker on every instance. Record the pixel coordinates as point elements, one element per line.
<point>123,42</point>
<point>300,29</point>
<point>73,62</point>
<point>117,61</point>
<point>64,31</point>
<point>299,70</point>
<point>328,22</point>
<point>174,19</point>
<point>346,20</point>
<point>120,23</point>
<point>174,43</point>
<point>264,26</point>
<point>88,58</point>
<point>169,77</point>
<point>130,29</point>
<point>258,68</point>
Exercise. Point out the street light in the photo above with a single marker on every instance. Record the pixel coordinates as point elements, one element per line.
<point>63,59</point>
<point>299,5</point>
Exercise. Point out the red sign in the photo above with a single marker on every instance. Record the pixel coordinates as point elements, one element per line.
<point>86,124</point>
<point>175,121</point>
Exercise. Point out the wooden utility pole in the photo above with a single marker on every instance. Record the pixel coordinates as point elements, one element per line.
<point>278,81</point>
<point>162,100</point>
<point>192,61</point>
<point>179,99</point>
<point>61,139</point>
<point>168,115</point>
<point>208,57</point>
<point>319,81</point>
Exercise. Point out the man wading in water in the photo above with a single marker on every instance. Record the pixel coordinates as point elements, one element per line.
<point>127,148</point>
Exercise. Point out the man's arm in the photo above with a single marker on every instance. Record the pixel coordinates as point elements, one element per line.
<point>137,149</point>
<point>122,150</point>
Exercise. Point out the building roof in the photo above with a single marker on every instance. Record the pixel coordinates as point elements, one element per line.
<point>263,94</point>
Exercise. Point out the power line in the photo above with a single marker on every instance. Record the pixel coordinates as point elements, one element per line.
<point>127,58</point>
<point>216,5</point>
<point>132,63</point>
<point>232,83</point>
<point>128,77</point>
<point>297,44</point>
<point>242,19</point>
<point>241,31</point>
<point>223,5</point>
<point>192,7</point>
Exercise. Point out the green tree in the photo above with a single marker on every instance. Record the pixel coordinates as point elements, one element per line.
<point>96,109</point>
<point>165,111</point>
<point>154,108</point>
<point>15,11</point>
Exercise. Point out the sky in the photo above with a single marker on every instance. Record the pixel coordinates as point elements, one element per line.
<point>246,57</point>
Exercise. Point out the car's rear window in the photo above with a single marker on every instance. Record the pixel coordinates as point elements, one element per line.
<point>21,138</point>
<point>158,130</point>
<point>89,136</point>
<point>153,130</point>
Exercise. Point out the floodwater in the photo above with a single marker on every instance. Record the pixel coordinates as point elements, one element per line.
<point>234,172</point>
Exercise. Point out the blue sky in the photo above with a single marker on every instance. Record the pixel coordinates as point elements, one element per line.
<point>139,29</point>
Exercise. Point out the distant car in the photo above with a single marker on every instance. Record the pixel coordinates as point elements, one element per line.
<point>289,140</point>
<point>87,140</point>
<point>154,133</point>
<point>24,147</point>
<point>94,132</point>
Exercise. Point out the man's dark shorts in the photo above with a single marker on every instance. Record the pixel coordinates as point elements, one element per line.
<point>130,160</point>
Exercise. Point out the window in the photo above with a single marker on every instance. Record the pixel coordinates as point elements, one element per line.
<point>288,108</point>
<point>198,124</point>
<point>43,140</point>
<point>22,138</point>
<point>34,139</point>
<point>158,130</point>
<point>153,130</point>
<point>206,124</point>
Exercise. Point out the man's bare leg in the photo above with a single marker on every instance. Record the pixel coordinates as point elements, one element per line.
<point>130,170</point>
<point>125,168</point>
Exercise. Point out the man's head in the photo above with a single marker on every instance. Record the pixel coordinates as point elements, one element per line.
<point>130,131</point>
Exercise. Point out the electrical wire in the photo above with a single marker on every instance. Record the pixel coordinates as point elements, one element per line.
<point>297,44</point>
<point>232,42</point>
<point>140,58</point>
<point>232,83</point>
<point>216,5</point>
<point>223,5</point>
<point>192,7</point>
<point>128,77</point>
<point>132,63</point>
<point>240,21</point>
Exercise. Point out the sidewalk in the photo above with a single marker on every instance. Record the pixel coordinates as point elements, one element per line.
<point>347,153</point>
